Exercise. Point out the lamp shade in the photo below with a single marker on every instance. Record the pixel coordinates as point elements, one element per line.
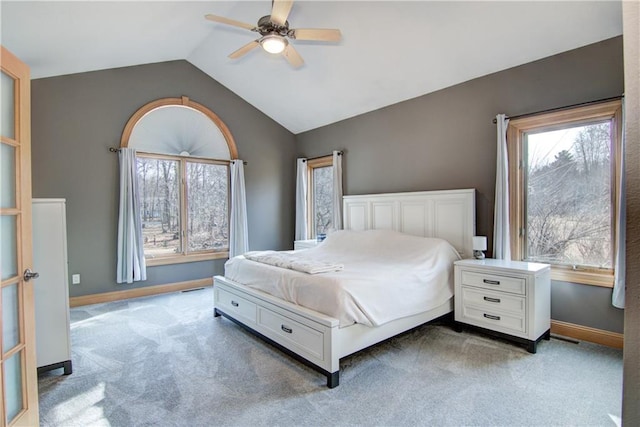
<point>479,243</point>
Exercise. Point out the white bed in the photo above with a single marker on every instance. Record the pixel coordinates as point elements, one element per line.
<point>320,340</point>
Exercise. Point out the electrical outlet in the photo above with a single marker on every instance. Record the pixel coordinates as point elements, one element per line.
<point>75,279</point>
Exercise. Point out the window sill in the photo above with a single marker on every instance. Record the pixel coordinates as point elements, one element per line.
<point>186,258</point>
<point>592,278</point>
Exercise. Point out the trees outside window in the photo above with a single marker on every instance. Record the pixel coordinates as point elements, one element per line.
<point>184,205</point>
<point>322,199</point>
<point>320,193</point>
<point>563,175</point>
<point>569,194</point>
<point>208,207</point>
<point>159,205</point>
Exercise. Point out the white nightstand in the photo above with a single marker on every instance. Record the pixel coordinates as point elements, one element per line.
<point>304,244</point>
<point>510,299</point>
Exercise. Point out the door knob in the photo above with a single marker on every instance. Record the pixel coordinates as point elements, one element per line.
<point>28,275</point>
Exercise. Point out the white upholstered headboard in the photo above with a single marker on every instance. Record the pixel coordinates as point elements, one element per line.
<point>447,214</point>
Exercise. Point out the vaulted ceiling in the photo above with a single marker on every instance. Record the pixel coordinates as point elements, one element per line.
<point>390,50</point>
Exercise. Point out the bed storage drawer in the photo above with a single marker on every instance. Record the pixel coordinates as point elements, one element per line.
<point>495,282</point>
<point>307,335</point>
<point>235,306</point>
<point>294,333</point>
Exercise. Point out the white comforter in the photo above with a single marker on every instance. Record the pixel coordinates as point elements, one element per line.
<point>387,275</point>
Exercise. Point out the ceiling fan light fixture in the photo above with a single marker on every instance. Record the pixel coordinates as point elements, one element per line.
<point>273,43</point>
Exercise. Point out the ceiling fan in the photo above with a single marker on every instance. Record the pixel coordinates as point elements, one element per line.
<point>275,33</point>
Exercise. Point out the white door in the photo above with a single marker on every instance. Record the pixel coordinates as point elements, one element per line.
<point>18,373</point>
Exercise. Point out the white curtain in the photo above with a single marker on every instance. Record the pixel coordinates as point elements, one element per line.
<point>301,199</point>
<point>239,230</point>
<point>501,239</point>
<point>337,190</point>
<point>619,277</point>
<point>131,266</point>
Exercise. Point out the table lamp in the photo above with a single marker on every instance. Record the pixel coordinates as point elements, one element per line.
<point>479,245</point>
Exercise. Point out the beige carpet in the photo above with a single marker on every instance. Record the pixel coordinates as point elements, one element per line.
<point>166,361</point>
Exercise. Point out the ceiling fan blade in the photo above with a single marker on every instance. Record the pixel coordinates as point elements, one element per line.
<point>292,56</point>
<point>280,11</point>
<point>228,21</point>
<point>244,49</point>
<point>320,34</point>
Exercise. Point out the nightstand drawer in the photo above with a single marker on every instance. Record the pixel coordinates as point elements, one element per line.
<point>492,319</point>
<point>488,300</point>
<point>234,306</point>
<point>495,282</point>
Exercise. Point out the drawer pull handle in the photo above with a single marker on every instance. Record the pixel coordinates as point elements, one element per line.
<point>492,299</point>
<point>235,304</point>
<point>491,316</point>
<point>287,330</point>
<point>491,282</point>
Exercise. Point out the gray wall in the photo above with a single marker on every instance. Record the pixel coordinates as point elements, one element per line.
<point>631,380</point>
<point>76,118</point>
<point>446,140</point>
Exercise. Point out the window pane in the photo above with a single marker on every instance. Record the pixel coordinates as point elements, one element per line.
<point>7,176</point>
<point>207,207</point>
<point>10,317</point>
<point>322,198</point>
<point>8,246</point>
<point>13,385</point>
<point>159,206</point>
<point>7,95</point>
<point>569,196</point>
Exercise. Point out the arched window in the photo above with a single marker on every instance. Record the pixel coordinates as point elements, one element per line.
<point>183,151</point>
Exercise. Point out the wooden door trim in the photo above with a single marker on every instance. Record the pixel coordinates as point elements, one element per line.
<point>19,71</point>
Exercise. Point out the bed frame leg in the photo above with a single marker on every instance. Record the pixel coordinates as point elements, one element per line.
<point>333,379</point>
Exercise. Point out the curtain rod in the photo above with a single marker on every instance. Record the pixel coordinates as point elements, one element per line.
<point>551,110</point>
<point>319,157</point>
<point>117,150</point>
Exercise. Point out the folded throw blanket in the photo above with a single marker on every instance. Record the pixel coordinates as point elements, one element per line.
<point>292,262</point>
